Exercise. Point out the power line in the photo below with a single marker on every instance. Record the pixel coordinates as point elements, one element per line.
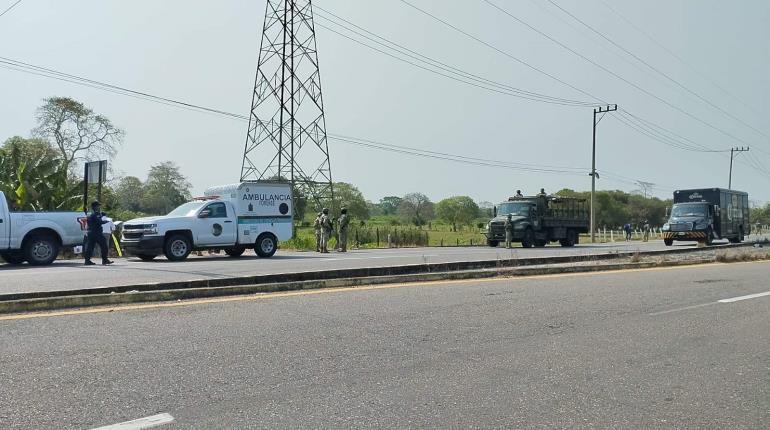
<point>9,8</point>
<point>658,71</point>
<point>432,62</point>
<point>505,53</point>
<point>638,87</point>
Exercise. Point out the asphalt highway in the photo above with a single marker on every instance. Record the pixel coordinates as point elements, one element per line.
<point>658,348</point>
<point>68,275</point>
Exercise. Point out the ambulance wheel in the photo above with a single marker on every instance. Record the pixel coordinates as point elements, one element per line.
<point>266,245</point>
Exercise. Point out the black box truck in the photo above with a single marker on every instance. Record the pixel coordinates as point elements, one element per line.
<point>707,214</point>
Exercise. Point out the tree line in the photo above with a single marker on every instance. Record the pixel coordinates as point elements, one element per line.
<point>43,172</point>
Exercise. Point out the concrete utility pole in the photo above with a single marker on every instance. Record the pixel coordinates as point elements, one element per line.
<point>734,153</point>
<point>593,173</point>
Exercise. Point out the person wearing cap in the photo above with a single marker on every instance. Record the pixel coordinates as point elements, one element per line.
<point>96,235</point>
<point>342,223</point>
<point>317,228</point>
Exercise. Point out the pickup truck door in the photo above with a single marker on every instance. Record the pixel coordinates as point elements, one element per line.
<point>217,227</point>
<point>5,226</point>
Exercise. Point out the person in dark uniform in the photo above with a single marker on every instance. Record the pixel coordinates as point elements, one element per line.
<point>96,235</point>
<point>519,195</point>
<point>342,226</point>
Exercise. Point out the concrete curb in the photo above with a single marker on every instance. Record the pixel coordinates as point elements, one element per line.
<point>159,295</point>
<point>320,275</point>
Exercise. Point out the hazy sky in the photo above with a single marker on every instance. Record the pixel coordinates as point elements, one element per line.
<point>205,52</point>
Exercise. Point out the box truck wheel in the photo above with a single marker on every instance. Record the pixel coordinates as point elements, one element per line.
<point>668,242</point>
<point>12,257</point>
<point>40,250</point>
<point>709,237</point>
<point>177,247</point>
<point>266,245</point>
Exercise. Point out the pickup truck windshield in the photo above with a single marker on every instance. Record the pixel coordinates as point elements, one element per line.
<point>187,209</point>
<point>520,208</point>
<point>689,210</point>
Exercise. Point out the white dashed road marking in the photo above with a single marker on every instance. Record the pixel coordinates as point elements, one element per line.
<point>141,423</point>
<point>750,296</point>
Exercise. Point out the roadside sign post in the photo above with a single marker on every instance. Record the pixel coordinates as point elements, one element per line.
<point>95,172</point>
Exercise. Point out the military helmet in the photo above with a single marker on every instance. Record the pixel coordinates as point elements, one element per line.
<point>95,204</point>
<point>344,210</point>
<point>325,211</point>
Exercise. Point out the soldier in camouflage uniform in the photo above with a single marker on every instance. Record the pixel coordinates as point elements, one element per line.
<point>326,230</point>
<point>342,226</point>
<point>508,231</point>
<point>317,228</point>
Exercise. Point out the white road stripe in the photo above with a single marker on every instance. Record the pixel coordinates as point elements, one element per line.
<point>682,309</point>
<point>750,296</point>
<point>141,423</point>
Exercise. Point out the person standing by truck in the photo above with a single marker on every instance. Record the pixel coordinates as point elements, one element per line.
<point>342,225</point>
<point>96,235</point>
<point>326,230</point>
<point>508,231</point>
<point>317,228</point>
<point>646,231</point>
<point>627,229</point>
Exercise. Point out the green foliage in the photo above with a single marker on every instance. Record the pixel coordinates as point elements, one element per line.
<point>417,208</point>
<point>457,210</point>
<point>348,196</point>
<point>165,189</point>
<point>615,208</point>
<point>389,205</point>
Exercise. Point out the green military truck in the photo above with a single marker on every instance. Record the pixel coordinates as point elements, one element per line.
<point>540,219</point>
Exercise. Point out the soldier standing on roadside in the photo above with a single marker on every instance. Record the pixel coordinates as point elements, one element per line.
<point>326,230</point>
<point>519,195</point>
<point>508,231</point>
<point>317,228</point>
<point>342,225</point>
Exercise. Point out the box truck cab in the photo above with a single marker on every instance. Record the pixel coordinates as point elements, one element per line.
<point>37,237</point>
<point>707,214</point>
<point>236,217</point>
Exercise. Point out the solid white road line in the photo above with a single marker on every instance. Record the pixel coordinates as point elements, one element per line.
<point>750,296</point>
<point>141,423</point>
<point>686,308</point>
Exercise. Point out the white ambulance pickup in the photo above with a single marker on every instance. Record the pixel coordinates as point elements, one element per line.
<point>37,237</point>
<point>247,215</point>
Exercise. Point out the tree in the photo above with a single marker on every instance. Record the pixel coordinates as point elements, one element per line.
<point>417,207</point>
<point>77,132</point>
<point>457,210</point>
<point>165,188</point>
<point>389,205</point>
<point>348,196</point>
<point>31,178</point>
<point>486,209</point>
<point>130,194</point>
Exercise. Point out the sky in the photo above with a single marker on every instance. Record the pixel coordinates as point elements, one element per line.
<point>705,79</point>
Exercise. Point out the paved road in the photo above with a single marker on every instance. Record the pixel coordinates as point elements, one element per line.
<point>67,275</point>
<point>638,349</point>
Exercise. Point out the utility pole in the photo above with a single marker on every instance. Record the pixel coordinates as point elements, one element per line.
<point>734,153</point>
<point>593,174</point>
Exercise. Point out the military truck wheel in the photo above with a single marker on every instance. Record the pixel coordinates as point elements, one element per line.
<point>177,247</point>
<point>266,245</point>
<point>529,238</point>
<point>570,240</point>
<point>235,252</point>
<point>146,257</point>
<point>14,258</point>
<point>668,242</point>
<point>739,238</point>
<point>493,243</point>
<point>540,243</point>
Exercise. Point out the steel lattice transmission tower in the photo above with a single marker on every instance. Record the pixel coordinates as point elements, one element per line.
<point>287,128</point>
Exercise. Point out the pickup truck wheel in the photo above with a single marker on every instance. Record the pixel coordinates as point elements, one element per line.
<point>177,247</point>
<point>146,257</point>
<point>266,245</point>
<point>235,252</point>
<point>493,243</point>
<point>12,257</point>
<point>529,238</point>
<point>41,250</point>
<point>668,242</point>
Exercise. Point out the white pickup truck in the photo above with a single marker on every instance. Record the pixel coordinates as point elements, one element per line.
<point>37,237</point>
<point>247,215</point>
